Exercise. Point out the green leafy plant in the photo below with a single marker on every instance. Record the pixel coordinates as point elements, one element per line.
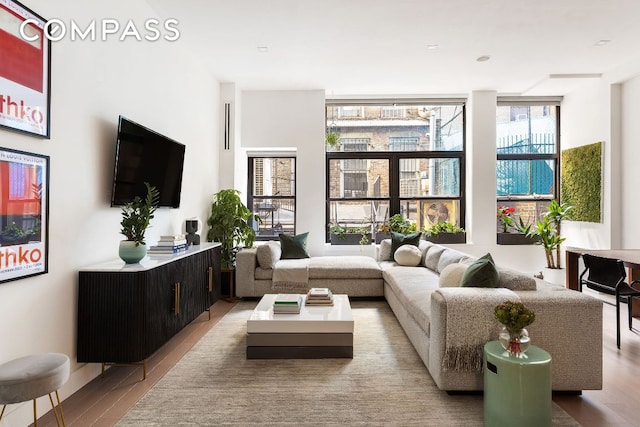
<point>442,227</point>
<point>548,229</point>
<point>137,215</point>
<point>332,138</point>
<point>230,224</point>
<point>505,215</point>
<point>399,224</point>
<point>340,231</point>
<point>514,315</point>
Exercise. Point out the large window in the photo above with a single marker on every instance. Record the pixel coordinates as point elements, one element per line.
<point>401,157</point>
<point>272,195</point>
<point>527,156</point>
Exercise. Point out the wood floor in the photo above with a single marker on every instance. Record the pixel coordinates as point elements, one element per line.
<point>104,401</point>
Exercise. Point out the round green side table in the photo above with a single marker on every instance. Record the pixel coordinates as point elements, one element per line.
<point>517,391</point>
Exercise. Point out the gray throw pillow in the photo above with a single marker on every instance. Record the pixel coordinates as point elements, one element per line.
<point>268,254</point>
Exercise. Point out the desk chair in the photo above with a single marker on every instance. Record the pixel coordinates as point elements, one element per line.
<point>608,275</point>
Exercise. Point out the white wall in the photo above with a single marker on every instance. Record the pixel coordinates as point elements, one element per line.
<point>154,83</point>
<point>301,129</point>
<point>630,173</point>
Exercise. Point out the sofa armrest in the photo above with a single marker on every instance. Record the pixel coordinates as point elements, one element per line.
<point>462,320</point>
<point>568,325</point>
<point>246,263</point>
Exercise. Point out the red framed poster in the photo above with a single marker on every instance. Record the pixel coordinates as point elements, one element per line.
<point>24,214</point>
<point>25,70</point>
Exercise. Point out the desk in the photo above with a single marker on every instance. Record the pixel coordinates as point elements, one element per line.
<point>630,258</point>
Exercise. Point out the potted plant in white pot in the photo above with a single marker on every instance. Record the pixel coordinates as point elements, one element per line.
<point>548,230</point>
<point>136,217</point>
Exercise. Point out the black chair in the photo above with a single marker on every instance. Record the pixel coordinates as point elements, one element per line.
<point>608,275</point>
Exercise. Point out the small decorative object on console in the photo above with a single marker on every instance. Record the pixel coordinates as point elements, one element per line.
<point>191,226</point>
<point>514,316</point>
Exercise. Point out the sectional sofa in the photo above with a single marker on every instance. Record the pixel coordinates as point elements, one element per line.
<point>448,324</point>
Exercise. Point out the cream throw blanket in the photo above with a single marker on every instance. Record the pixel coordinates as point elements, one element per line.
<point>471,324</point>
<point>291,275</point>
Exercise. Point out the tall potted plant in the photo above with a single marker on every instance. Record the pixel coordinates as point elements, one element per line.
<point>230,224</point>
<point>548,230</point>
<point>136,217</point>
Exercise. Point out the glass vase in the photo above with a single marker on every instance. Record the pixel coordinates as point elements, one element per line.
<point>515,343</point>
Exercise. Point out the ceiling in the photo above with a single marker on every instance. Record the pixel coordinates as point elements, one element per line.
<point>401,47</point>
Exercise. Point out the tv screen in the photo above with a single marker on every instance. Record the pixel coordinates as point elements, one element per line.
<point>143,155</point>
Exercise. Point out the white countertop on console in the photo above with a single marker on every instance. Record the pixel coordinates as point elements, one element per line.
<point>148,262</point>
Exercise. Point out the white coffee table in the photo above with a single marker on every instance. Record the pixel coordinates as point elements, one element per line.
<point>316,332</point>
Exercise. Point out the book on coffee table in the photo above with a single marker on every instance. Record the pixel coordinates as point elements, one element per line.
<point>319,296</point>
<point>287,303</point>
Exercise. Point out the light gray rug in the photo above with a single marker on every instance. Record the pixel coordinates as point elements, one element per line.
<point>385,383</point>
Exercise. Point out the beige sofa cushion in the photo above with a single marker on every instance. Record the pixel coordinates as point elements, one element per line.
<point>408,255</point>
<point>344,267</point>
<point>451,275</point>
<point>268,254</point>
<point>515,280</point>
<point>433,256</point>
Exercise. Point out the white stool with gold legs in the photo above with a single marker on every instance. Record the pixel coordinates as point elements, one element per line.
<point>30,377</point>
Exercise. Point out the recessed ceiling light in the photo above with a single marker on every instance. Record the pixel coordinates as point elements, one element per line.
<point>602,42</point>
<point>483,58</point>
<point>432,46</point>
<point>263,49</point>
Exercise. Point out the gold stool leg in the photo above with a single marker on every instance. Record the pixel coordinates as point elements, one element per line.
<point>55,411</point>
<point>2,413</point>
<point>64,424</point>
<point>35,416</point>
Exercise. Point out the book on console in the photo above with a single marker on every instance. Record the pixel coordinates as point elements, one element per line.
<point>176,242</point>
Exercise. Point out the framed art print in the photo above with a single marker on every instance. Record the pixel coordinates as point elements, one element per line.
<point>25,70</point>
<point>24,214</point>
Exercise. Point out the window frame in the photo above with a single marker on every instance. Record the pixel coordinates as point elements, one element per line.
<point>393,157</point>
<point>251,197</point>
<point>554,157</point>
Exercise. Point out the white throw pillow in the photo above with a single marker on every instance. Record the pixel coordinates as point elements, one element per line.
<point>408,255</point>
<point>268,254</point>
<point>451,275</point>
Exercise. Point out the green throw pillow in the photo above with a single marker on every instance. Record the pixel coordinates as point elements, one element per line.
<point>294,247</point>
<point>481,273</point>
<point>399,239</point>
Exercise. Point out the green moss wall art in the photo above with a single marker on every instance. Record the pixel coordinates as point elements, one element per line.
<point>581,182</point>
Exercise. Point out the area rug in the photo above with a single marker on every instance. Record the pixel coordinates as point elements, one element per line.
<point>385,383</point>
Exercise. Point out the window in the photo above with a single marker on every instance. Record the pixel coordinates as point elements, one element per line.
<point>272,195</point>
<point>527,168</point>
<point>382,167</point>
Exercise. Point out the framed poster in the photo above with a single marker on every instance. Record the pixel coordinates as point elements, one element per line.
<point>24,214</point>
<point>25,70</point>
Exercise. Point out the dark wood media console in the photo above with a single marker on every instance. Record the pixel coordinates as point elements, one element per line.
<point>127,312</point>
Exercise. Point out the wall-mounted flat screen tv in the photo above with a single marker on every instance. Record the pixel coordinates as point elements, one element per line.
<point>143,155</point>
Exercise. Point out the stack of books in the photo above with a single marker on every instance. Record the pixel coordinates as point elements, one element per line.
<point>170,245</point>
<point>287,303</point>
<point>319,296</point>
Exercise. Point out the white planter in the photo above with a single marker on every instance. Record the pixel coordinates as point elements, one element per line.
<point>557,276</point>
